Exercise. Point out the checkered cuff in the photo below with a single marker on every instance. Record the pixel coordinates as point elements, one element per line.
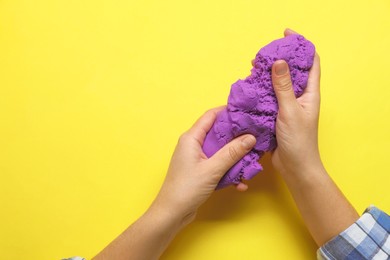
<point>367,238</point>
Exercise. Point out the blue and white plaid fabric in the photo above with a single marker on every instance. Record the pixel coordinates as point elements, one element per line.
<point>367,238</point>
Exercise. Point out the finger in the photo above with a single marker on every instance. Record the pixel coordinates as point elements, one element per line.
<point>311,94</point>
<point>242,187</point>
<point>288,32</point>
<point>204,124</point>
<point>231,153</point>
<point>282,84</point>
<point>313,82</point>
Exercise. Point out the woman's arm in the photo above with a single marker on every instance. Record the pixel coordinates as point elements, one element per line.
<point>190,180</point>
<point>146,238</point>
<point>322,205</point>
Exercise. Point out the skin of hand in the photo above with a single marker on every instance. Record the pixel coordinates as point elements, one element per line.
<point>297,121</point>
<point>192,177</point>
<point>190,180</point>
<point>324,208</point>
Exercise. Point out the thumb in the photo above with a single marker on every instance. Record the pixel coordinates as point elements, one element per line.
<point>282,84</point>
<point>231,153</point>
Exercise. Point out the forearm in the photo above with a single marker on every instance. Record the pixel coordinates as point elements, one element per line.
<point>147,238</point>
<point>324,208</point>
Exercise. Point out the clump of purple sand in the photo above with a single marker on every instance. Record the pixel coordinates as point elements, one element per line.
<point>252,105</point>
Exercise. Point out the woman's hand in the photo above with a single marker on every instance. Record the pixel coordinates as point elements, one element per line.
<point>190,180</point>
<point>297,121</point>
<point>323,206</point>
<point>192,177</point>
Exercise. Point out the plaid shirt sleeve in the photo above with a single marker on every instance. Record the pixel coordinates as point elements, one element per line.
<point>367,238</point>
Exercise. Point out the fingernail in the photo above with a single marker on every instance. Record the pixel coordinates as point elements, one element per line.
<point>281,68</point>
<point>248,142</point>
<point>291,30</point>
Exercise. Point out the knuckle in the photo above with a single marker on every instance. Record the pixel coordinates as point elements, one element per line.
<point>284,84</point>
<point>233,155</point>
<point>183,137</point>
<point>209,111</point>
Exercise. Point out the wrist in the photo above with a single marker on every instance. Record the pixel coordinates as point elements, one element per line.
<point>304,170</point>
<point>171,216</point>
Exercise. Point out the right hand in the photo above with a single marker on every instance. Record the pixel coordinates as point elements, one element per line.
<point>297,120</point>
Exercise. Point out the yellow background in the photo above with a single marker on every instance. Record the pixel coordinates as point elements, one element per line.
<point>94,94</point>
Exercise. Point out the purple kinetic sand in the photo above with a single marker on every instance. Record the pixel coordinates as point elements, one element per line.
<point>252,106</point>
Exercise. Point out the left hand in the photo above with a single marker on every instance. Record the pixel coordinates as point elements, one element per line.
<point>190,180</point>
<point>192,177</point>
